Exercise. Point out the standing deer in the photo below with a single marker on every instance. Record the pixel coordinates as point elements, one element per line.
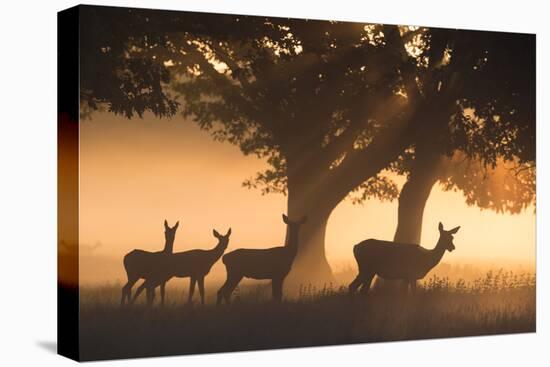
<point>140,263</point>
<point>272,263</point>
<point>195,264</point>
<point>390,260</point>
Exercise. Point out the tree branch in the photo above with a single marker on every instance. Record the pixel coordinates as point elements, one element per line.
<point>408,68</point>
<point>232,92</point>
<point>366,163</point>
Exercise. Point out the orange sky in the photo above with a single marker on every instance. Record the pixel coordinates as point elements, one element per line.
<point>135,173</point>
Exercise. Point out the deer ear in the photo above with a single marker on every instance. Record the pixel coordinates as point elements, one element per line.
<point>285,218</point>
<point>440,226</point>
<point>454,230</point>
<point>177,224</point>
<point>216,234</point>
<point>228,232</point>
<point>303,220</point>
<point>166,224</point>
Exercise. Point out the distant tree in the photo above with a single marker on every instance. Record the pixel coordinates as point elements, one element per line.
<point>329,105</point>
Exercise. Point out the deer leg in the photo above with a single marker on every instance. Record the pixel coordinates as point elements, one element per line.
<point>277,289</point>
<point>150,292</point>
<point>201,289</point>
<point>127,291</point>
<point>236,280</point>
<point>227,288</point>
<point>365,286</point>
<point>123,295</point>
<point>140,289</point>
<point>352,288</point>
<point>223,290</point>
<point>221,293</point>
<point>162,293</point>
<point>132,280</point>
<point>192,282</point>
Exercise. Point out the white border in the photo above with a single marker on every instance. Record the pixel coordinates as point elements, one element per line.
<point>28,182</point>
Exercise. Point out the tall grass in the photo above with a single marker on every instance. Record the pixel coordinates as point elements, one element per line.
<point>500,302</point>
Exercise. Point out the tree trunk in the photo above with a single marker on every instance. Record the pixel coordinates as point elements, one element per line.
<point>423,174</point>
<point>310,265</point>
<point>412,201</point>
<point>414,195</point>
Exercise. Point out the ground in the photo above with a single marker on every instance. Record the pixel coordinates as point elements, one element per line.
<point>496,304</point>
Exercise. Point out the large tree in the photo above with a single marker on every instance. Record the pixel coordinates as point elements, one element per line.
<point>306,95</point>
<point>329,105</point>
<point>490,134</point>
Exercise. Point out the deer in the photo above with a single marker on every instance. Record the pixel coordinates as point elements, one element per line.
<point>139,263</point>
<point>271,263</point>
<point>195,264</point>
<point>391,260</point>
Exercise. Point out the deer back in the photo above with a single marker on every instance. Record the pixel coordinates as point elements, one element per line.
<point>260,263</point>
<point>142,264</point>
<point>392,260</point>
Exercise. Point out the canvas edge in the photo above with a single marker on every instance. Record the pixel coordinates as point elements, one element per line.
<point>68,182</point>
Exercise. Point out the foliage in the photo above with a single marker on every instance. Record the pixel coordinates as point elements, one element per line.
<point>286,90</point>
<point>506,187</point>
<point>378,187</point>
<point>324,102</point>
<point>490,79</point>
<point>116,67</point>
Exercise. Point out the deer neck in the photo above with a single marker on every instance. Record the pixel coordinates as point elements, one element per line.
<point>218,251</point>
<point>291,242</point>
<point>168,246</point>
<point>436,254</point>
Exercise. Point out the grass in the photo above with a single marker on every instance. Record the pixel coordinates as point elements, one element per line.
<point>501,302</point>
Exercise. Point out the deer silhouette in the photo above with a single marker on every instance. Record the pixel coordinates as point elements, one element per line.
<point>195,264</point>
<point>139,263</point>
<point>390,260</point>
<point>272,263</point>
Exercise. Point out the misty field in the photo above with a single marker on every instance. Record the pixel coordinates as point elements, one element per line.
<point>498,303</point>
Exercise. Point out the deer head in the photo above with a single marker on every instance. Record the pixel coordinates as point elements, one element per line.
<point>223,240</point>
<point>446,238</point>
<point>292,231</point>
<point>170,233</point>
